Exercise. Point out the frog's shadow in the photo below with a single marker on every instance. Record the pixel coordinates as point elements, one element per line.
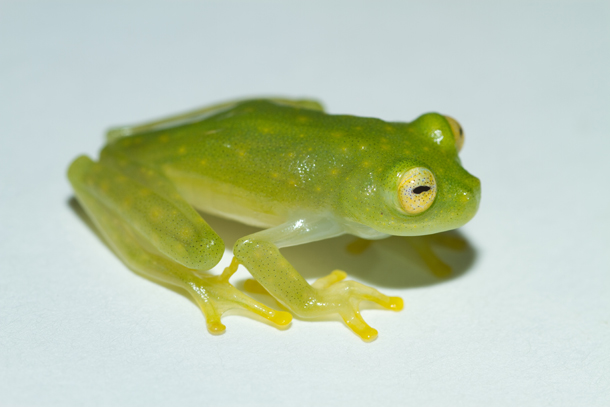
<point>390,262</point>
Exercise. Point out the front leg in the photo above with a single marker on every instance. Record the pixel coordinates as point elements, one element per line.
<point>259,253</point>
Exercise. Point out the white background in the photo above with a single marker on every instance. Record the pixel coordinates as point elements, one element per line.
<point>525,321</point>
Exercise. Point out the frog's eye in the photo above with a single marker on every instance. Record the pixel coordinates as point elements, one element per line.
<point>417,190</point>
<point>458,132</point>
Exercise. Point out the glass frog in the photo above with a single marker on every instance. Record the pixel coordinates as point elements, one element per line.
<point>282,165</point>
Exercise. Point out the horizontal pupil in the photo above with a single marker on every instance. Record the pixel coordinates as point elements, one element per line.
<point>421,189</point>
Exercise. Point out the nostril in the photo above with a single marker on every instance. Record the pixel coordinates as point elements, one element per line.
<point>475,184</point>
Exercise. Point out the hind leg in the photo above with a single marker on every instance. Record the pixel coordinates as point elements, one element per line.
<point>196,115</point>
<point>159,236</point>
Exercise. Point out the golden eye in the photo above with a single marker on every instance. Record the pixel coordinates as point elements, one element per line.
<point>458,132</point>
<point>417,190</point>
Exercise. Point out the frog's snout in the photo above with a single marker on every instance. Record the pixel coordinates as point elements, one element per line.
<point>470,197</point>
<point>477,189</point>
<point>474,188</point>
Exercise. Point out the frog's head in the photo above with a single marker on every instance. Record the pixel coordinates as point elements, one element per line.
<point>422,190</point>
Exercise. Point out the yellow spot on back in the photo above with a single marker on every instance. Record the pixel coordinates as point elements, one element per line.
<point>156,213</point>
<point>182,150</point>
<point>163,138</point>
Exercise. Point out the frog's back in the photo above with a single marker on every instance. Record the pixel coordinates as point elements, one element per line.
<point>268,156</point>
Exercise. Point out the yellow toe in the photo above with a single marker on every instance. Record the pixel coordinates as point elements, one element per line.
<point>358,246</point>
<point>396,304</point>
<point>440,269</point>
<point>281,318</point>
<point>368,334</point>
<point>253,286</point>
<point>216,328</point>
<point>338,275</point>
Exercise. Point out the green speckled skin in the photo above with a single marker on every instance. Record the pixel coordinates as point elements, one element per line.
<point>283,165</point>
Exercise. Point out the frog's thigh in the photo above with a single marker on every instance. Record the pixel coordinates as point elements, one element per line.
<point>124,241</point>
<point>163,223</point>
<point>197,115</point>
<point>168,122</point>
<point>213,294</point>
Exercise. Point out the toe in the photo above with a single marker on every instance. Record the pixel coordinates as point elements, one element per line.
<point>358,246</point>
<point>253,286</point>
<point>330,279</point>
<point>216,328</point>
<point>396,304</point>
<point>281,318</point>
<point>359,327</point>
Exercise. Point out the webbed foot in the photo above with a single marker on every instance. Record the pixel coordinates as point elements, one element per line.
<point>344,297</point>
<point>215,296</point>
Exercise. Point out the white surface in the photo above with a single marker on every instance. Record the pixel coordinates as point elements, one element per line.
<point>526,324</point>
